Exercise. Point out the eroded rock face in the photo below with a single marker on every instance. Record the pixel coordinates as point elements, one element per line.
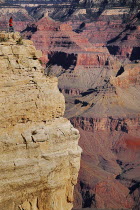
<point>102,94</point>
<point>100,46</point>
<point>40,156</point>
<point>109,173</point>
<point>126,44</point>
<point>108,121</point>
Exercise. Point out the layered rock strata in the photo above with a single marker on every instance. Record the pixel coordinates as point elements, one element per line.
<point>102,88</point>
<point>109,174</point>
<point>108,120</point>
<point>102,94</point>
<point>40,156</point>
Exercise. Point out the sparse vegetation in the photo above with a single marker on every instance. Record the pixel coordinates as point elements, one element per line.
<point>19,41</point>
<point>3,39</point>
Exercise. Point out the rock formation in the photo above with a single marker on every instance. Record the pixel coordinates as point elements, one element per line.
<point>93,48</point>
<point>102,96</point>
<point>40,156</point>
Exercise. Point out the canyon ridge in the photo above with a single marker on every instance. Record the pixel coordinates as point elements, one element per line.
<point>93,47</point>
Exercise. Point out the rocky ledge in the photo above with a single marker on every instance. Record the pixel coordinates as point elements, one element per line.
<point>40,156</point>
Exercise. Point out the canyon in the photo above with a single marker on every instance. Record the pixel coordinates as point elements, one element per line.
<point>93,48</point>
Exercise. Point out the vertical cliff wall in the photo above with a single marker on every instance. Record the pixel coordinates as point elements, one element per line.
<point>39,151</point>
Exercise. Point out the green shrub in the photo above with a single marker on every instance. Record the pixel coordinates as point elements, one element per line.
<point>19,41</point>
<point>3,39</point>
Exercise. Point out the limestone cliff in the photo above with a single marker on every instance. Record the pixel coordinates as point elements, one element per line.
<point>39,151</point>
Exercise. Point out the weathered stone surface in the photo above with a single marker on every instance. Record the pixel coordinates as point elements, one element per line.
<point>102,93</point>
<point>102,90</point>
<point>39,151</point>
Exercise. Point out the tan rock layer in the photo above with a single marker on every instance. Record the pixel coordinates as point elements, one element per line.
<point>39,151</point>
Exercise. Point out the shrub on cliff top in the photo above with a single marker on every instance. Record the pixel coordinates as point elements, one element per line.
<point>3,39</point>
<point>19,41</point>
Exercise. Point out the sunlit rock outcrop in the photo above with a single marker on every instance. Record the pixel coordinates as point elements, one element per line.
<point>40,156</point>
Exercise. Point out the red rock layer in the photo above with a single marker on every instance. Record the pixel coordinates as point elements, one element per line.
<point>109,162</point>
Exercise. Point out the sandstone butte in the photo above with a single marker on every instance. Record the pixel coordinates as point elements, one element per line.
<point>40,156</point>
